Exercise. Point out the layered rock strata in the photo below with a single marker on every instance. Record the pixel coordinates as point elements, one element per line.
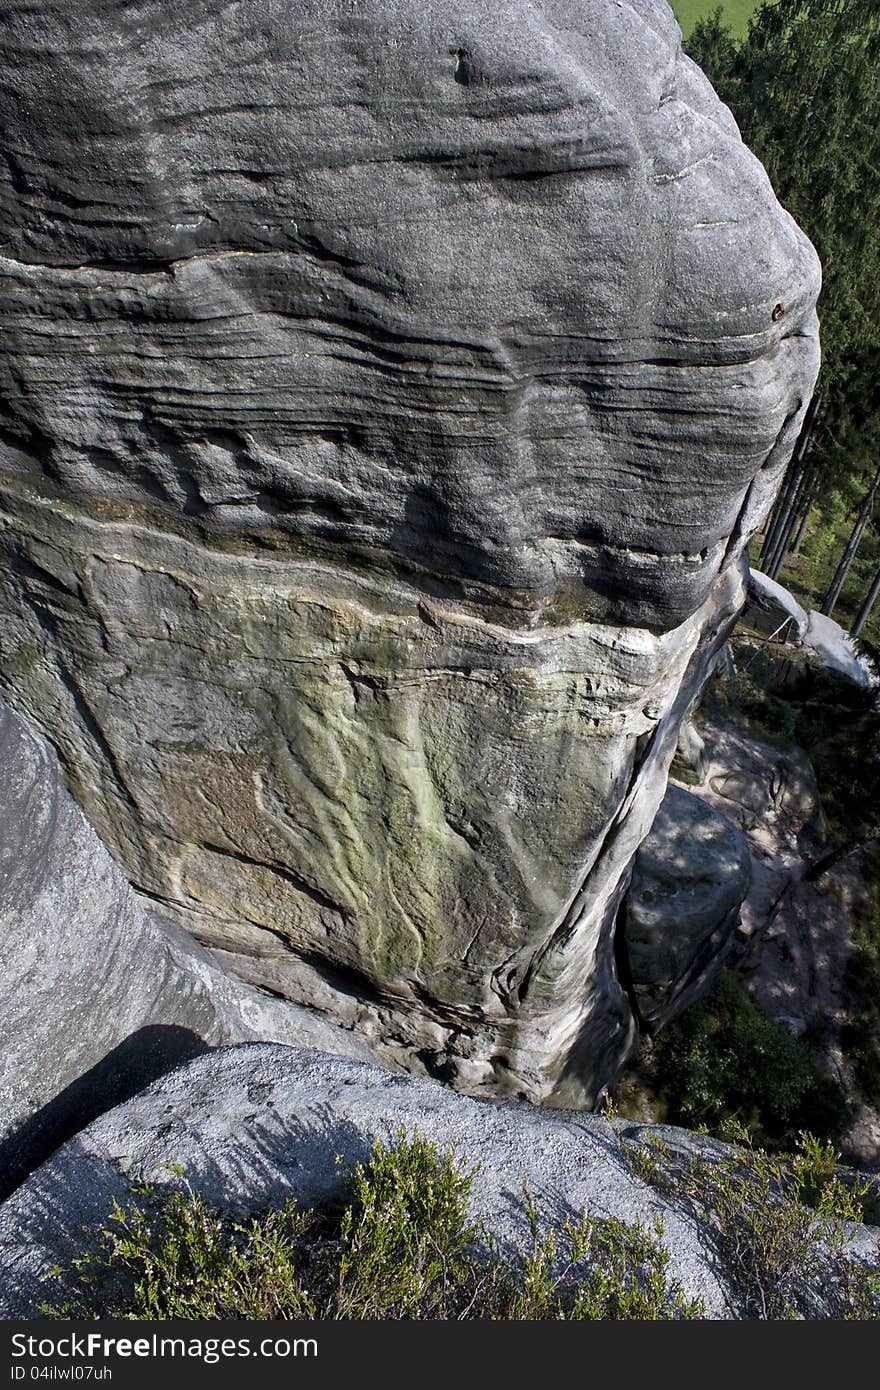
<point>387,396</point>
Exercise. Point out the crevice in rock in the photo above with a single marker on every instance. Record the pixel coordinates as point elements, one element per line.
<point>286,874</point>
<point>85,713</point>
<point>567,926</point>
<point>623,968</point>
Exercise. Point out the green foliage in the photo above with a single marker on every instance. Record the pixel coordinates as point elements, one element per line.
<point>179,1257</point>
<point>724,1059</point>
<point>735,13</point>
<point>781,1227</point>
<point>775,1244</point>
<point>847,767</point>
<point>813,1179</point>
<point>833,721</point>
<point>840,730</point>
<point>402,1247</point>
<point>627,1278</point>
<point>862,985</point>
<point>805,88</point>
<point>405,1248</point>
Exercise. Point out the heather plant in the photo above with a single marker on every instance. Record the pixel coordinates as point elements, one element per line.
<point>402,1246</point>
<point>782,1224</point>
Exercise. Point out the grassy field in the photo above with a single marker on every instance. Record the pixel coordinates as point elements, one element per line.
<point>736,12</point>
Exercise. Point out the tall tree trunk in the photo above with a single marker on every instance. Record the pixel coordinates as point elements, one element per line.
<point>781,526</point>
<point>785,535</point>
<point>779,515</point>
<point>805,521</point>
<point>806,485</point>
<point>868,604</point>
<point>849,554</point>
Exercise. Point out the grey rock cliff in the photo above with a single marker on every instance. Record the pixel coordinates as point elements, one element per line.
<point>97,997</point>
<point>387,395</point>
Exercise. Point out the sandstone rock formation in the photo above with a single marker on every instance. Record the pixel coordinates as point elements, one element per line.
<point>387,395</point>
<point>772,610</point>
<point>252,1126</point>
<point>689,763</point>
<point>97,997</point>
<point>689,880</point>
<point>775,613</point>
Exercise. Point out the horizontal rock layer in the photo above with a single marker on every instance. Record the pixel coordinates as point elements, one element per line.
<point>382,419</point>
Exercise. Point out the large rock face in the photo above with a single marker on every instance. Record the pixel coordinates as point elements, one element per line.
<point>387,395</point>
<point>97,996</point>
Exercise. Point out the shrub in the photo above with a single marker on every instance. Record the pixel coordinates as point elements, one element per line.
<point>780,1224</point>
<point>725,1058</point>
<point>402,1246</point>
<point>859,1035</point>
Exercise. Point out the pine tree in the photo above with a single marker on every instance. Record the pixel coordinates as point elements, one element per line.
<point>805,88</point>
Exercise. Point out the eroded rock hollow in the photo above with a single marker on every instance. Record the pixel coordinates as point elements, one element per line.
<point>387,396</point>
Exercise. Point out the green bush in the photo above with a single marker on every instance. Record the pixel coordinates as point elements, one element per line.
<point>401,1247</point>
<point>724,1059</point>
<point>781,1225</point>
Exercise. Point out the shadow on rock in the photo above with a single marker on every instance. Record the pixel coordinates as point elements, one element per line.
<point>144,1056</point>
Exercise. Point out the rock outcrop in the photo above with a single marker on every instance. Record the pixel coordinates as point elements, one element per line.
<point>832,648</point>
<point>690,878</point>
<point>97,996</point>
<point>772,610</point>
<point>689,763</point>
<point>387,396</point>
<point>252,1126</point>
<point>826,647</point>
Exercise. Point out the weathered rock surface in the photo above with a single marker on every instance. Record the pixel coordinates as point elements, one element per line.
<point>826,646</point>
<point>251,1126</point>
<point>834,649</point>
<point>383,416</point>
<point>689,881</point>
<point>771,609</point>
<point>794,946</point>
<point>97,997</point>
<point>689,763</point>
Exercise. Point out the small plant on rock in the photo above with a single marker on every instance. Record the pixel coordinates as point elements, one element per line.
<point>403,1246</point>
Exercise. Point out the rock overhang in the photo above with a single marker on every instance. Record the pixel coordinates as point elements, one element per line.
<point>488,241</point>
<point>384,419</point>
